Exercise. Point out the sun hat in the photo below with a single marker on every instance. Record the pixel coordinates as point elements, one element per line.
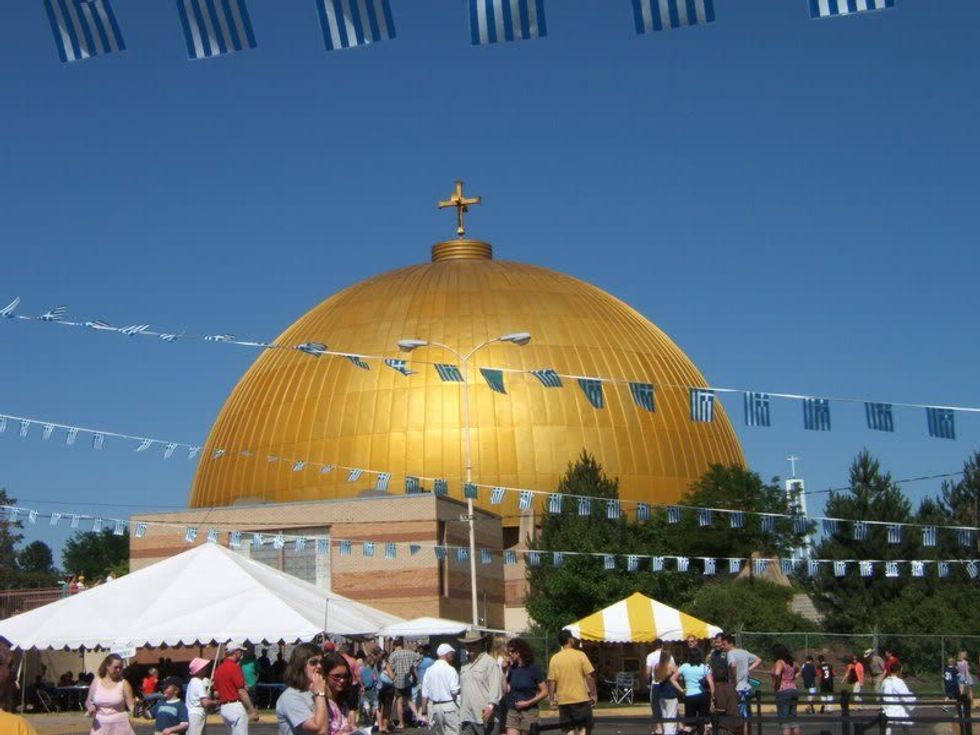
<point>869,652</point>
<point>472,636</point>
<point>443,649</point>
<point>197,664</point>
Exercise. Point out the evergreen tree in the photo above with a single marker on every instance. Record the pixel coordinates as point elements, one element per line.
<point>35,562</point>
<point>961,500</point>
<point>9,538</point>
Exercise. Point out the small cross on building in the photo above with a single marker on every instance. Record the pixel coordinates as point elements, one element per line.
<point>462,204</point>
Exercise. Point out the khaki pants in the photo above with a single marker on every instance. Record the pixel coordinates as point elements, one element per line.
<point>444,718</point>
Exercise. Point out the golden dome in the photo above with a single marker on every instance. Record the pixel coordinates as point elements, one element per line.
<point>326,410</point>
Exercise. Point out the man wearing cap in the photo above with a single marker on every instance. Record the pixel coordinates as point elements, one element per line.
<point>229,684</point>
<point>571,687</point>
<point>440,690</point>
<point>481,685</point>
<point>198,697</point>
<point>876,667</point>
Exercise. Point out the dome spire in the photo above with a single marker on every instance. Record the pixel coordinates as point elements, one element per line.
<point>462,203</point>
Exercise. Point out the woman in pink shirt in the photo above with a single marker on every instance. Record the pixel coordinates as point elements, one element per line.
<point>110,699</point>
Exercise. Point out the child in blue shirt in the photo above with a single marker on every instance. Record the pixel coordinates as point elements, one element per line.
<point>171,713</point>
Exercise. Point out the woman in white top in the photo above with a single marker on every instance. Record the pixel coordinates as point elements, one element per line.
<point>198,697</point>
<point>896,699</point>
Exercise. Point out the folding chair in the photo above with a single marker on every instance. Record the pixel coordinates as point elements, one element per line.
<point>44,699</point>
<point>623,688</point>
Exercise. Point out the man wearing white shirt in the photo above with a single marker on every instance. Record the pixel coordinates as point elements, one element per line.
<point>440,690</point>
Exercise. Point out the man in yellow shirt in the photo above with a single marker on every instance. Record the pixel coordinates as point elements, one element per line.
<point>571,687</point>
<point>14,725</point>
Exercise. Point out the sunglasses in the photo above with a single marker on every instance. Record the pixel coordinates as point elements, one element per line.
<point>338,677</point>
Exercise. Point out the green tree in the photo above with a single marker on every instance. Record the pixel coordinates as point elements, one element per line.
<point>961,500</point>
<point>9,538</point>
<point>95,554</point>
<point>35,563</point>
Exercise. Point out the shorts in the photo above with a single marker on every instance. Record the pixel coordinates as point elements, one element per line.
<point>404,691</point>
<point>744,695</point>
<point>522,719</point>
<point>786,704</point>
<point>575,716</point>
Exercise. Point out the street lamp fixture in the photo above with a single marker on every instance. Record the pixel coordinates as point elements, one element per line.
<point>515,338</point>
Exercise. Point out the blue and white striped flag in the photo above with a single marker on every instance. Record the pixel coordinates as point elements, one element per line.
<point>510,556</point>
<point>496,21</point>
<point>212,535</point>
<point>660,15</point>
<point>702,405</point>
<point>495,379</point>
<point>316,349</point>
<point>191,451</point>
<point>3,424</point>
<point>448,373</point>
<point>759,566</point>
<point>382,482</point>
<point>592,389</point>
<point>894,534</point>
<point>367,548</point>
<point>549,378</point>
<point>866,568</point>
<point>25,427</point>
<point>683,563</point>
<point>608,562</point>
<point>216,27</point>
<point>346,547</point>
<point>840,568</point>
<point>470,490</point>
<point>354,475</point>
<point>440,486</point>
<point>971,569</point>
<point>942,569</point>
<point>554,503</point>
<point>190,535</point>
<point>929,536</point>
<point>414,549</point>
<point>812,567</point>
<point>75,519</point>
<point>84,28</point>
<point>412,485</point>
<point>830,8</point>
<point>879,416</point>
<point>32,516</point>
<point>942,423</point>
<point>299,545</point>
<point>801,524</point>
<point>524,500</point>
<point>656,564</point>
<point>55,517</point>
<point>216,454</point>
<point>400,366</point>
<point>497,495</point>
<point>891,569</point>
<point>440,552</point>
<point>350,23</point>
<point>757,409</point>
<point>788,566</point>
<point>327,469</point>
<point>704,517</point>
<point>734,566</point>
<point>391,551</point>
<point>257,540</point>
<point>918,569</point>
<point>279,541</point>
<point>644,396</point>
<point>859,530</point>
<point>816,414</point>
<point>673,515</point>
<point>632,563</point>
<point>534,558</point>
<point>234,539</point>
<point>642,512</point>
<point>768,523</point>
<point>168,452</point>
<point>358,361</point>
<point>119,528</point>
<point>47,432</point>
<point>709,567</point>
<point>557,558</point>
<point>584,506</point>
<point>964,536</point>
<point>71,436</point>
<point>299,465</point>
<point>486,556</point>
<point>736,519</point>
<point>612,509</point>
<point>829,526</point>
<point>140,529</point>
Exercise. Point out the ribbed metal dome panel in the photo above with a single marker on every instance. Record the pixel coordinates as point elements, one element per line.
<point>292,405</point>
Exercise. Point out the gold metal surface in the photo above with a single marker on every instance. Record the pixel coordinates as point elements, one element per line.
<point>462,205</point>
<point>326,410</point>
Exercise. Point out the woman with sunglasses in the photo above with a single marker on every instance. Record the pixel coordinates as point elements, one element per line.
<point>336,672</point>
<point>302,707</point>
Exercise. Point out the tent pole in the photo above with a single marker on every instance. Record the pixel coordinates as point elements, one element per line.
<point>22,677</point>
<point>214,664</point>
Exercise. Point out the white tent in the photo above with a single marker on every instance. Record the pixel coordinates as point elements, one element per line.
<point>206,594</point>
<point>423,627</point>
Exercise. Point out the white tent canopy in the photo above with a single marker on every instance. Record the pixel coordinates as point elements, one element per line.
<point>205,594</point>
<point>423,627</point>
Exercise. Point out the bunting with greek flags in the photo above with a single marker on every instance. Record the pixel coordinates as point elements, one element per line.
<point>367,548</point>
<point>279,541</point>
<point>140,529</point>
<point>866,568</point>
<point>97,525</point>
<point>497,495</point>
<point>788,566</point>
<point>894,534</point>
<point>382,482</point>
<point>497,21</point>
<point>399,365</point>
<point>831,8</point>
<point>83,29</point>
<point>258,540</point>
<point>47,431</point>
<point>486,556</point>
<point>414,549</point>
<point>55,518</point>
<point>879,416</point>
<point>704,517</point>
<point>941,423</point>
<point>942,569</point>
<point>345,548</point>
<point>840,568</point>
<point>391,550</point>
<point>702,405</point>
<point>214,28</point>
<point>759,566</point>
<point>859,530</point>
<point>632,563</point>
<point>609,562</point>
<point>350,23</point>
<point>757,409</point>
<point>495,379</point>
<point>510,556</point>
<point>234,539</point>
<point>549,378</point>
<point>736,520</point>
<point>358,361</point>
<point>327,469</point>
<point>448,373</point>
<point>829,526</point>
<point>534,558</point>
<point>644,396</point>
<point>25,427</point>
<point>812,567</point>
<point>440,552</point>
<point>3,424</point>
<point>212,535</point>
<point>412,485</point>
<point>768,523</point>
<point>709,567</point>
<point>299,465</point>
<point>524,499</point>
<point>673,515</point>
<point>816,414</point>
<point>891,569</point>
<point>642,512</point>
<point>190,535</point>
<point>918,569</point>
<point>471,490</point>
<point>650,16</point>
<point>964,536</point>
<point>316,349</point>
<point>585,506</point>
<point>800,524</point>
<point>592,389</point>
<point>168,452</point>
<point>75,519</point>
<point>354,475</point>
<point>656,564</point>
<point>612,509</point>
<point>683,563</point>
<point>299,545</point>
<point>557,558</point>
<point>734,566</point>
<point>441,487</point>
<point>971,569</point>
<point>554,503</point>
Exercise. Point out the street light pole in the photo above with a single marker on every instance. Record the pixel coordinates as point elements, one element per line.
<point>407,345</point>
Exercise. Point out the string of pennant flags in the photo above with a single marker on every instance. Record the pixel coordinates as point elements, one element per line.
<point>551,502</point>
<point>84,29</point>
<point>390,550</point>
<point>940,420</point>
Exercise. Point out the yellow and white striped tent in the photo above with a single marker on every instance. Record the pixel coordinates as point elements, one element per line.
<point>640,619</point>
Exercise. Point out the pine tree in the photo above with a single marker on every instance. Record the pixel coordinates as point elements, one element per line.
<point>9,538</point>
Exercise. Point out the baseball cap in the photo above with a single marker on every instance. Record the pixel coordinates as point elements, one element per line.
<point>329,646</point>
<point>443,649</point>
<point>233,646</point>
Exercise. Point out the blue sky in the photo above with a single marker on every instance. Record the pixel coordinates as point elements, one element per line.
<point>793,201</point>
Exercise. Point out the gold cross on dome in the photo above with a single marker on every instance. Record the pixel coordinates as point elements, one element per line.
<point>462,204</point>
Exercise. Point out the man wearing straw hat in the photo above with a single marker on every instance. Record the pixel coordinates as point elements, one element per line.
<point>480,686</point>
